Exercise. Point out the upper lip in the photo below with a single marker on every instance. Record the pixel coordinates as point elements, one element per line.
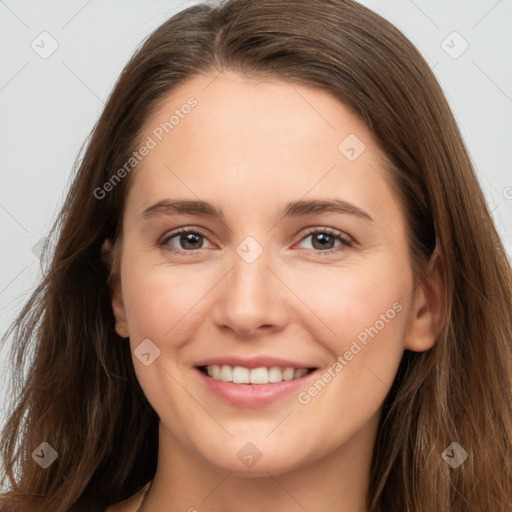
<point>252,362</point>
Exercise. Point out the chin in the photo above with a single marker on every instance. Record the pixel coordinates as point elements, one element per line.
<point>248,461</point>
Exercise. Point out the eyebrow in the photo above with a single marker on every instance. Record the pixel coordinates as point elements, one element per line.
<point>299,208</point>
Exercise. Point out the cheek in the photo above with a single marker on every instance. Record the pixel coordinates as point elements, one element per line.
<point>358,314</point>
<point>164,303</point>
<point>355,301</point>
<point>360,317</point>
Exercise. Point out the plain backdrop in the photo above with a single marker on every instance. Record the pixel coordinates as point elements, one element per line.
<point>59,60</point>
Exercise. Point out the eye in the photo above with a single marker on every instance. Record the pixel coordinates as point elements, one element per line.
<point>324,239</point>
<point>184,240</point>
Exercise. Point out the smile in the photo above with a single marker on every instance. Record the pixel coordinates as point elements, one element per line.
<point>261,375</point>
<point>252,382</point>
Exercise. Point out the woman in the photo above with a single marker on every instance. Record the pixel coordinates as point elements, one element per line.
<point>276,285</point>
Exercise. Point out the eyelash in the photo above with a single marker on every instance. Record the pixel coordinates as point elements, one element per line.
<point>345,241</point>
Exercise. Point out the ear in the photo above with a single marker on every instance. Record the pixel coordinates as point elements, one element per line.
<point>428,308</point>
<point>110,257</point>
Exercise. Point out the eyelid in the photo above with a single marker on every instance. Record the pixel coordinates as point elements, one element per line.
<point>331,231</point>
<point>346,240</point>
<point>178,231</point>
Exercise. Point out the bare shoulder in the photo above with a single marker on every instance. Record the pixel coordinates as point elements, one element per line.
<point>130,504</point>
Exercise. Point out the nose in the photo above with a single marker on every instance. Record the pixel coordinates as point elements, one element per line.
<point>251,299</point>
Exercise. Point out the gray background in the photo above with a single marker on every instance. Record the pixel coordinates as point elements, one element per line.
<point>49,105</point>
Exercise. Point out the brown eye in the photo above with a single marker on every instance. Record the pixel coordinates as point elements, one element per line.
<point>184,240</point>
<point>324,240</point>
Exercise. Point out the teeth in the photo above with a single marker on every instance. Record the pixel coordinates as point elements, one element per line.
<point>240,375</point>
<point>288,374</point>
<point>299,373</point>
<point>275,374</point>
<point>258,376</point>
<point>215,371</point>
<point>262,375</point>
<point>226,373</point>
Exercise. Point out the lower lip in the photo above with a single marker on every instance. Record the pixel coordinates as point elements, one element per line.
<point>252,395</point>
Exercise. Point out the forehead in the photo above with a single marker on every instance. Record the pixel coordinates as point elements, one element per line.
<point>244,113</point>
<point>235,136</point>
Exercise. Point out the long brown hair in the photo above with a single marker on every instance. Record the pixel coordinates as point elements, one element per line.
<point>74,384</point>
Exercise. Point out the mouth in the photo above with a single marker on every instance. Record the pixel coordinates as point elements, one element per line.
<point>258,376</point>
<point>253,385</point>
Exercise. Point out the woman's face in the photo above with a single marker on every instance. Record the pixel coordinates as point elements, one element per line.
<point>256,166</point>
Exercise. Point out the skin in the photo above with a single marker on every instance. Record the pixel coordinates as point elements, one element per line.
<point>250,147</point>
